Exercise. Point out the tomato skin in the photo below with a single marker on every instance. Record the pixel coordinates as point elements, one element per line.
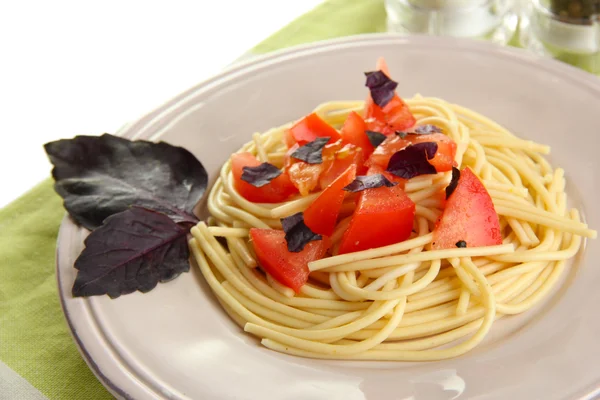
<point>276,191</point>
<point>469,215</point>
<point>308,129</point>
<point>354,131</point>
<point>321,216</point>
<point>395,116</point>
<point>382,217</point>
<point>289,269</point>
<point>443,160</point>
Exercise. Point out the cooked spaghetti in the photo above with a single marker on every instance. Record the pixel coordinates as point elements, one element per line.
<point>410,300</point>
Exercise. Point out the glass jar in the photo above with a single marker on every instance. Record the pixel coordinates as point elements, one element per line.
<point>568,30</point>
<point>493,20</point>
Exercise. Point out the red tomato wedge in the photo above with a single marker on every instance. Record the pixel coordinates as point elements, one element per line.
<point>443,160</point>
<point>289,269</point>
<point>469,215</point>
<point>343,158</point>
<point>382,217</point>
<point>383,67</point>
<point>354,131</point>
<point>276,191</point>
<point>288,139</point>
<point>308,129</point>
<point>395,116</point>
<point>337,157</point>
<point>322,214</point>
<point>444,157</point>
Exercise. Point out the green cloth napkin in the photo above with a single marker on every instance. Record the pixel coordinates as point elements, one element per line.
<point>34,338</point>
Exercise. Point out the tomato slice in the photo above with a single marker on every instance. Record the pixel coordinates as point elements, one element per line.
<point>382,154</point>
<point>343,158</point>
<point>395,116</point>
<point>444,157</point>
<point>383,67</point>
<point>289,269</point>
<point>322,214</point>
<point>308,129</point>
<point>276,191</point>
<point>288,139</point>
<point>304,176</point>
<point>382,217</point>
<point>469,215</point>
<point>443,160</point>
<point>354,131</point>
<point>337,157</point>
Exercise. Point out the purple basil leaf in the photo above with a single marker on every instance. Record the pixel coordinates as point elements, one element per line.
<point>376,138</point>
<point>368,182</point>
<point>260,175</point>
<point>98,176</point>
<point>297,234</point>
<point>382,88</point>
<point>453,183</point>
<point>413,160</point>
<point>133,250</point>
<point>427,129</point>
<point>311,152</point>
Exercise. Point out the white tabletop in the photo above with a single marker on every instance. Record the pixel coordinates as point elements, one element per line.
<point>81,67</point>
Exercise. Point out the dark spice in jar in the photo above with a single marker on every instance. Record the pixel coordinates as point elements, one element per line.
<point>575,10</point>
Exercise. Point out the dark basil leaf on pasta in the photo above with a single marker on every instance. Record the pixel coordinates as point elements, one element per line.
<point>368,182</point>
<point>297,234</point>
<point>260,175</point>
<point>98,176</point>
<point>133,250</point>
<point>288,223</point>
<point>311,153</point>
<point>401,134</point>
<point>461,244</point>
<point>381,86</point>
<point>413,160</point>
<point>375,138</point>
<point>454,182</point>
<point>427,129</point>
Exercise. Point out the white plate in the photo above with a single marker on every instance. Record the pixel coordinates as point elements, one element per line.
<point>176,342</point>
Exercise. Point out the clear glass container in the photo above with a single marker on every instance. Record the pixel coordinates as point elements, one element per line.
<point>568,30</point>
<point>493,20</point>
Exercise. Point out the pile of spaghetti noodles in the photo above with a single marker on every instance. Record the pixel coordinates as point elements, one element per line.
<point>403,301</point>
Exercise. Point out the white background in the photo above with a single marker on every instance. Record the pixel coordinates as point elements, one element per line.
<point>83,67</point>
